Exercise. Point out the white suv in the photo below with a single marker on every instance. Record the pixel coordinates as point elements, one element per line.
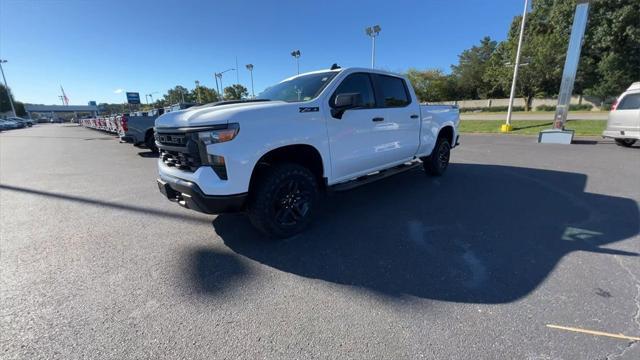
<point>624,119</point>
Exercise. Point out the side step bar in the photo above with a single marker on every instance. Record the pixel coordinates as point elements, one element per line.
<point>363,180</point>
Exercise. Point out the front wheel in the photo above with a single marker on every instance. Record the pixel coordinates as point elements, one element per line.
<point>436,163</point>
<point>625,142</point>
<point>282,203</point>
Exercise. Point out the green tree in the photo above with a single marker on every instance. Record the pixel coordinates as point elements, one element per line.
<point>609,61</point>
<point>207,95</point>
<point>177,95</point>
<point>432,85</point>
<point>235,92</point>
<point>469,73</point>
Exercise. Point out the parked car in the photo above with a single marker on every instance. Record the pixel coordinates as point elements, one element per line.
<point>26,122</point>
<point>623,124</point>
<point>331,129</point>
<point>8,124</point>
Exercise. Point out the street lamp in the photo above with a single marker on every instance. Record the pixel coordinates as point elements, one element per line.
<point>151,95</point>
<point>13,109</point>
<point>296,54</point>
<point>507,126</point>
<point>219,76</point>
<point>250,68</point>
<point>373,32</point>
<point>198,91</point>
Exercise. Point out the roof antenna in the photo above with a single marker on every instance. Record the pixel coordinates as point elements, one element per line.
<point>335,66</point>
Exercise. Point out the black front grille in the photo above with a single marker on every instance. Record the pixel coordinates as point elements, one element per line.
<point>179,150</point>
<point>181,160</point>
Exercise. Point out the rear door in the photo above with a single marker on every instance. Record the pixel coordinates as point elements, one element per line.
<point>626,117</point>
<point>399,131</point>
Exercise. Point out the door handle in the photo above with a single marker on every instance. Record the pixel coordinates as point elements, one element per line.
<point>414,116</point>
<point>376,119</point>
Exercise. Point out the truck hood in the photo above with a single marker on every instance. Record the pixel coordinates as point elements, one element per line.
<point>213,114</point>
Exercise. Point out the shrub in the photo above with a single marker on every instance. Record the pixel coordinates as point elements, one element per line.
<point>572,107</point>
<point>492,109</point>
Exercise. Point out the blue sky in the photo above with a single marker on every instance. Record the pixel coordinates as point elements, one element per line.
<point>94,47</point>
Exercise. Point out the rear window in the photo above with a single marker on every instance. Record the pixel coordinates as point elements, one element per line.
<point>629,102</point>
<point>391,91</point>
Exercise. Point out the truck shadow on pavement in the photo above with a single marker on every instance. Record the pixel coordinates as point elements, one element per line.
<point>480,234</point>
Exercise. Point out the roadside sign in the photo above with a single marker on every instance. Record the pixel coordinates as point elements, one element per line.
<point>92,103</point>
<point>133,98</point>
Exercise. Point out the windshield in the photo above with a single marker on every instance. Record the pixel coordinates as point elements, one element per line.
<point>302,88</point>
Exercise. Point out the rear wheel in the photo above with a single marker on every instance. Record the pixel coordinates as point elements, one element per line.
<point>436,163</point>
<point>625,142</point>
<point>150,142</point>
<point>283,201</point>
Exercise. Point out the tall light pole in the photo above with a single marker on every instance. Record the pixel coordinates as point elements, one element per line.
<point>219,76</point>
<point>507,126</point>
<point>151,95</point>
<point>215,75</point>
<point>296,54</point>
<point>13,109</point>
<point>250,68</point>
<point>373,32</point>
<point>198,91</point>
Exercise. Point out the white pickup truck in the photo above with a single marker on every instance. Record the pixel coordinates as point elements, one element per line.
<point>324,130</point>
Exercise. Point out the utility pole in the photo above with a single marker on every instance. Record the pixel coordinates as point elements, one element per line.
<point>250,68</point>
<point>296,54</point>
<point>237,72</point>
<point>215,75</point>
<point>13,109</point>
<point>219,75</point>
<point>373,32</point>
<point>507,126</point>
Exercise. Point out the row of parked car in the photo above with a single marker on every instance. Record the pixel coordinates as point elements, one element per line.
<point>15,123</point>
<point>135,127</point>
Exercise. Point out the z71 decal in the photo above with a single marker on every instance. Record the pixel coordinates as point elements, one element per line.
<point>309,109</point>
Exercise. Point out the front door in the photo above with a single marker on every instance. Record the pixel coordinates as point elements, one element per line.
<point>352,138</point>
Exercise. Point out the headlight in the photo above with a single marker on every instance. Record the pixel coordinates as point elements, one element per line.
<point>219,136</point>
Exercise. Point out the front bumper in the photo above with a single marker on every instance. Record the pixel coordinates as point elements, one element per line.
<point>189,195</point>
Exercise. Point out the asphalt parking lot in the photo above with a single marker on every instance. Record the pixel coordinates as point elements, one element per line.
<point>476,264</point>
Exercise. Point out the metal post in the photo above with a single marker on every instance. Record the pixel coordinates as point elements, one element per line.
<point>237,72</point>
<point>253,94</point>
<point>250,68</point>
<point>13,109</point>
<point>373,52</point>
<point>215,75</point>
<point>507,127</point>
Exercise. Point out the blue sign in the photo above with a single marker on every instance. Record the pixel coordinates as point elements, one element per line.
<point>133,98</point>
<point>92,103</point>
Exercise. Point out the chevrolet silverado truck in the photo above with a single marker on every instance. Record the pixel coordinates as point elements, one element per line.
<point>326,130</point>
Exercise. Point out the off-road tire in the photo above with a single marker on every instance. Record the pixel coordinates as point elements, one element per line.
<point>283,192</point>
<point>436,163</point>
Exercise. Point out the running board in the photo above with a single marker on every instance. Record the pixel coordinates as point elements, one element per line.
<point>363,180</point>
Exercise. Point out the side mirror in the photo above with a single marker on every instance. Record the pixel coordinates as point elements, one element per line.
<point>344,102</point>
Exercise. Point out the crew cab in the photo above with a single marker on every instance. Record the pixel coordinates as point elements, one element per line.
<point>324,130</point>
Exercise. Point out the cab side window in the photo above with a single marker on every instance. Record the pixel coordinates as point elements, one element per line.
<point>391,91</point>
<point>630,102</point>
<point>357,83</point>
